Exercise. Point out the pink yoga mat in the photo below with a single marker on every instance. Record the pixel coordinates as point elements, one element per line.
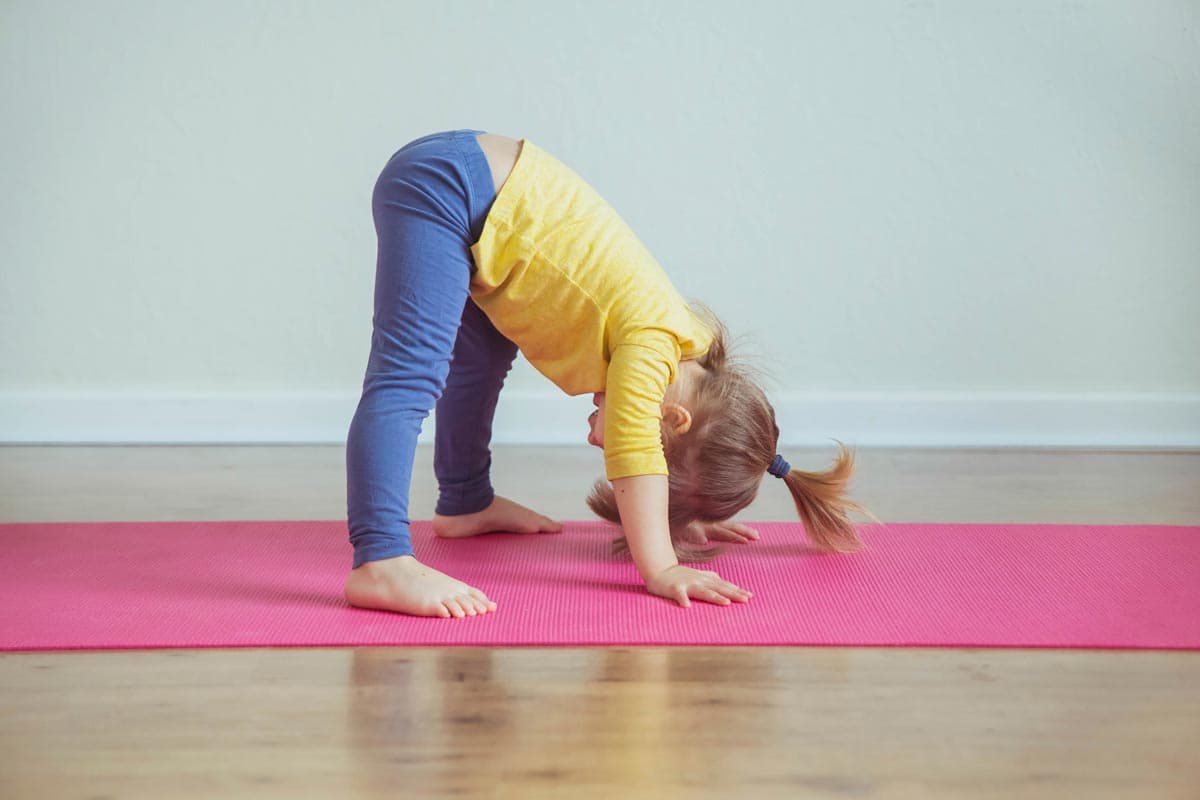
<point>239,584</point>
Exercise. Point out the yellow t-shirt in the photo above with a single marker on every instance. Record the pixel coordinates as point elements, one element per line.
<point>561,275</point>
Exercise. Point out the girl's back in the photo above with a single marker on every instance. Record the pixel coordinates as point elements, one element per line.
<point>501,153</point>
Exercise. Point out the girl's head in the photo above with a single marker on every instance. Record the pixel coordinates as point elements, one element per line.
<point>717,463</point>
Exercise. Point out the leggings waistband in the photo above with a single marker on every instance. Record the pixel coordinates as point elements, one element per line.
<point>449,161</point>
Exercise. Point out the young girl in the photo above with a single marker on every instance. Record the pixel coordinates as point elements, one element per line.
<point>487,245</point>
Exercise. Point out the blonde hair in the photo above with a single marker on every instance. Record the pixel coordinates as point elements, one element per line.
<point>716,468</point>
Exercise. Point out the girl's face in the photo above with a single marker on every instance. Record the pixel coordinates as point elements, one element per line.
<point>596,421</point>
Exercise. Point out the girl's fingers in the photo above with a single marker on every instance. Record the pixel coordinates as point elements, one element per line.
<point>732,532</point>
<point>716,597</point>
<point>720,533</point>
<point>746,531</point>
<point>741,534</point>
<point>723,535</point>
<point>707,587</point>
<point>734,592</point>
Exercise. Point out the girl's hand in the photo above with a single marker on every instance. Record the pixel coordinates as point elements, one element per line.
<point>705,532</point>
<point>679,583</point>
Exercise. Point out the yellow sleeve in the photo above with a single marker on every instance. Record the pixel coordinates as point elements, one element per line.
<point>638,375</point>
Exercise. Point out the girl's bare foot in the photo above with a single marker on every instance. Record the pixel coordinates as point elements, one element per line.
<point>502,516</point>
<point>406,585</point>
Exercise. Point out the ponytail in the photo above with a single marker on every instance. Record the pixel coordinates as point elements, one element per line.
<point>822,503</point>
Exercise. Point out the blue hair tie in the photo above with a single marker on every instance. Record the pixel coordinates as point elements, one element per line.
<point>779,467</point>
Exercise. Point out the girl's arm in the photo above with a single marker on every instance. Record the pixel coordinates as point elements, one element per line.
<point>638,374</point>
<point>642,503</point>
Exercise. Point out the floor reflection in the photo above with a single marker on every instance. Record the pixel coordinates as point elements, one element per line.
<point>464,719</point>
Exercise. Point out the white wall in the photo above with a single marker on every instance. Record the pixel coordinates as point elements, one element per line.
<point>935,221</point>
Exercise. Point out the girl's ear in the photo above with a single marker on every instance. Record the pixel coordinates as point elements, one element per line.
<point>677,418</point>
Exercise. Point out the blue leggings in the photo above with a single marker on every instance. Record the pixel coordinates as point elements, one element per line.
<point>430,345</point>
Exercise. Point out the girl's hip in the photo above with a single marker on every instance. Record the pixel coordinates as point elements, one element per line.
<point>442,174</point>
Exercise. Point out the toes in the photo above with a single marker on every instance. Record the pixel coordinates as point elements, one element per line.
<point>471,604</point>
<point>481,601</point>
<point>479,606</point>
<point>468,605</point>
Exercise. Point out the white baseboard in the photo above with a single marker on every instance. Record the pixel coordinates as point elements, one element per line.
<point>893,419</point>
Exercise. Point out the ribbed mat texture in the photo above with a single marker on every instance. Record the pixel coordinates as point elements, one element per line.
<point>237,584</point>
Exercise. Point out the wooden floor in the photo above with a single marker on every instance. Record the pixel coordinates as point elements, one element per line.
<point>598,722</point>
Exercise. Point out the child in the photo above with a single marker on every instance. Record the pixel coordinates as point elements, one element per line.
<point>486,245</point>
